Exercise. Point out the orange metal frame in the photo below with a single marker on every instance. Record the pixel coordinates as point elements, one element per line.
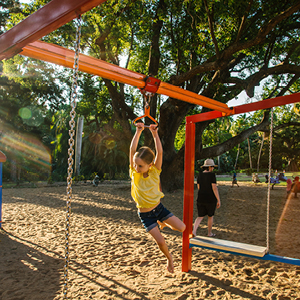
<point>64,57</point>
<point>188,194</point>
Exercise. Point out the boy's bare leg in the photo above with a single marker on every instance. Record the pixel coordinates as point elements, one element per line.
<point>163,247</point>
<point>175,224</point>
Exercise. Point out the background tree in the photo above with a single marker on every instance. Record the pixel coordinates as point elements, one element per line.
<point>217,49</point>
<point>286,146</point>
<point>7,7</point>
<point>28,91</point>
<point>213,48</point>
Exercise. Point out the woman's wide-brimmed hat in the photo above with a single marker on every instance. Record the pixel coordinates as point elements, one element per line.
<point>209,163</point>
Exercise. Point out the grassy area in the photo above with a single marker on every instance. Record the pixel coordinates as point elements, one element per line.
<point>243,177</point>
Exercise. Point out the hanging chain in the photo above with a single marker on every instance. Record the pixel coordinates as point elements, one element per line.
<point>70,159</point>
<point>269,181</point>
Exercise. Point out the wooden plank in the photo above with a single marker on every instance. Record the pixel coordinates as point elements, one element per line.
<point>230,246</point>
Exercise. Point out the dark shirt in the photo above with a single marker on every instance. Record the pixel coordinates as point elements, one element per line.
<point>206,193</point>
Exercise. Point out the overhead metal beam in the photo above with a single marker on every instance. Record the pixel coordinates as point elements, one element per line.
<point>45,20</point>
<point>245,108</point>
<point>65,57</point>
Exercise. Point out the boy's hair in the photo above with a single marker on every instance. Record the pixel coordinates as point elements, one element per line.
<point>146,154</point>
<point>205,168</point>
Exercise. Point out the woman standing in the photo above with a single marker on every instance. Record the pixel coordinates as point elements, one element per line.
<point>208,196</point>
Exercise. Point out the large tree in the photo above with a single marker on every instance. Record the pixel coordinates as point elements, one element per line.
<point>215,48</point>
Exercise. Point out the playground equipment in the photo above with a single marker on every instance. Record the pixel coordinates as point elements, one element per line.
<point>212,243</point>
<point>70,159</point>
<point>22,39</point>
<point>148,91</point>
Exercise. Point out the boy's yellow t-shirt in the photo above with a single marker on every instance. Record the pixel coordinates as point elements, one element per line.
<point>145,191</point>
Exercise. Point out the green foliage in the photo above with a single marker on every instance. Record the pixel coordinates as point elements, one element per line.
<point>78,178</point>
<point>175,39</point>
<point>7,9</point>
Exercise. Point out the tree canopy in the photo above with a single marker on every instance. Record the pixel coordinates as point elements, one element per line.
<point>215,48</point>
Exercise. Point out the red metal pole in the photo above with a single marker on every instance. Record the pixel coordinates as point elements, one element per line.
<point>268,103</point>
<point>204,116</point>
<point>264,104</point>
<point>188,195</point>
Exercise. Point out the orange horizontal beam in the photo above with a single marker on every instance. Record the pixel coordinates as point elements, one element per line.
<point>65,57</point>
<point>188,96</point>
<point>45,20</point>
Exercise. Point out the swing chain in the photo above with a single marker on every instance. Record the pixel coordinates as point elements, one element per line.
<point>70,159</point>
<point>269,181</point>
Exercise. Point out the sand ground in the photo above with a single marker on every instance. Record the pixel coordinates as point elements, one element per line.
<point>111,256</point>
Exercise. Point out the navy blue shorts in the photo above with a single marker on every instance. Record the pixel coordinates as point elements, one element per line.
<point>149,219</point>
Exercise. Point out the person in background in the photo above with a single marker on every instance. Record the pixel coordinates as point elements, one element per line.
<point>96,180</point>
<point>296,186</point>
<point>208,196</point>
<point>255,178</point>
<point>234,180</point>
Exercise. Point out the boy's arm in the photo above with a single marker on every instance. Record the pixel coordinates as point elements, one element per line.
<point>135,141</point>
<point>158,147</point>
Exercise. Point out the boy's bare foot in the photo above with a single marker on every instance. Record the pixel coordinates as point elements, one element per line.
<point>170,265</point>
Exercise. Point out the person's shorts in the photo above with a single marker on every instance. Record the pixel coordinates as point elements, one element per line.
<point>149,219</point>
<point>206,209</point>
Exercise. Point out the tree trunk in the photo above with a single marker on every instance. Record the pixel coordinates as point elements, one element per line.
<point>292,166</point>
<point>172,176</point>
<point>249,151</point>
<point>260,151</point>
<point>237,156</point>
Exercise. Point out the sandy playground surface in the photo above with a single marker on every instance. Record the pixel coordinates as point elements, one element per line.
<point>113,258</point>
